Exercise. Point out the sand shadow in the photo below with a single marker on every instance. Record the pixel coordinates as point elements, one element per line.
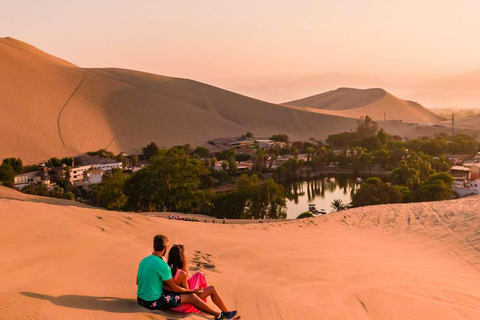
<point>108,304</point>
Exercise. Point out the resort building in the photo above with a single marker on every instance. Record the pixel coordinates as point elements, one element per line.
<point>460,172</point>
<point>108,167</point>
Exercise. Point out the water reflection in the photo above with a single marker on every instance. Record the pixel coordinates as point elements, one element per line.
<point>321,192</point>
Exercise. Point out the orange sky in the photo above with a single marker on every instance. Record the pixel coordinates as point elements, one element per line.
<point>222,42</point>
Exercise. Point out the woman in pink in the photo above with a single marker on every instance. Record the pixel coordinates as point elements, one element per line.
<point>178,264</point>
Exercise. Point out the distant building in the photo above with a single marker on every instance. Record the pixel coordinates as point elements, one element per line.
<point>76,174</point>
<point>267,144</point>
<point>108,167</point>
<point>460,172</point>
<point>24,179</point>
<point>474,170</point>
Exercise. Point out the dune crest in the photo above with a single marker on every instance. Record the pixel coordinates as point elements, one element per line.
<point>354,103</point>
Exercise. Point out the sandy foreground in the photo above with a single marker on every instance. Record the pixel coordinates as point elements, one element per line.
<point>411,261</point>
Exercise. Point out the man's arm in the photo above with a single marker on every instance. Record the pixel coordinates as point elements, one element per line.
<point>176,288</point>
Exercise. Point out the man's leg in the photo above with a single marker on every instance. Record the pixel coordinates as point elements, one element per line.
<point>198,303</point>
<point>212,292</point>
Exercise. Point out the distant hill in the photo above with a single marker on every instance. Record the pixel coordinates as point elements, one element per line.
<point>354,103</point>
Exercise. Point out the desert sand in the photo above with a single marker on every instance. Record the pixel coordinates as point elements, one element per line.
<point>51,107</point>
<point>355,103</point>
<point>404,261</point>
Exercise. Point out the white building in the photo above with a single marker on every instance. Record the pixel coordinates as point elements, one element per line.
<point>25,179</point>
<point>76,174</point>
<point>107,167</point>
<point>267,144</point>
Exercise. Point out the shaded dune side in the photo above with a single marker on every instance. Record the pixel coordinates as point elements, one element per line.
<point>57,109</point>
<point>407,261</point>
<point>33,90</point>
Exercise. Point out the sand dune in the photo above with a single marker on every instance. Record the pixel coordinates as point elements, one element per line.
<point>354,103</point>
<point>53,108</point>
<point>406,261</point>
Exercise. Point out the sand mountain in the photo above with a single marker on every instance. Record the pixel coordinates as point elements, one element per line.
<point>401,261</point>
<point>354,103</point>
<point>53,108</point>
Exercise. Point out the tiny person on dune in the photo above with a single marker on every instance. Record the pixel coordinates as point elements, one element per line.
<point>178,264</point>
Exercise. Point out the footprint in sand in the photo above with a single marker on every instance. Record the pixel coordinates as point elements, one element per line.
<point>202,261</point>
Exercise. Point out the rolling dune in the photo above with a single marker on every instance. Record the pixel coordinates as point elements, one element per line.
<point>53,108</point>
<point>405,261</point>
<point>355,103</point>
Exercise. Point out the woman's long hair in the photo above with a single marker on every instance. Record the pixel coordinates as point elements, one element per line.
<point>176,259</point>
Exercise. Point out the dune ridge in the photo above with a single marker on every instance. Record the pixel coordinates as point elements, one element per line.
<point>404,261</point>
<point>354,103</point>
<point>53,108</point>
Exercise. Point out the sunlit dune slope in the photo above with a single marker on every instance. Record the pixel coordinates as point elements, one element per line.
<point>406,261</point>
<point>53,108</point>
<point>376,103</point>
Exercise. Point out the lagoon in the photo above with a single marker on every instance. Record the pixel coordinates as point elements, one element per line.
<point>320,191</point>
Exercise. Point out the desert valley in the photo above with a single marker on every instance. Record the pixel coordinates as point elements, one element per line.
<point>310,160</point>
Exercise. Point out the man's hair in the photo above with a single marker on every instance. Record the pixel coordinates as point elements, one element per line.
<point>159,242</point>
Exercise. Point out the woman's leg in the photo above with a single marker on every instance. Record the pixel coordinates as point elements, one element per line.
<point>194,300</point>
<point>212,292</point>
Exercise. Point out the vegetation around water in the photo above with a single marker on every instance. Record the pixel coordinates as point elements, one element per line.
<point>181,178</point>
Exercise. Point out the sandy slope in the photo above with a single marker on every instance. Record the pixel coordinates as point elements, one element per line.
<point>354,103</point>
<point>467,122</point>
<point>413,261</point>
<point>52,108</point>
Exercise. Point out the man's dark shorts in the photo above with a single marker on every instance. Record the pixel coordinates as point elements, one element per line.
<point>167,300</point>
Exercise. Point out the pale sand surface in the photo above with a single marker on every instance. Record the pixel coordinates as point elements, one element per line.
<point>53,108</point>
<point>407,261</point>
<point>354,103</point>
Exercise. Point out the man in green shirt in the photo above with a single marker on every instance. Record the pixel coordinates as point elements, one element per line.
<point>153,273</point>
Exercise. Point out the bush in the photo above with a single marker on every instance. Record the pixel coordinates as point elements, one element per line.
<point>304,215</point>
<point>68,195</point>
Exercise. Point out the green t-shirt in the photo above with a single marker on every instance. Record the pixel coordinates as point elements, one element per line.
<point>152,272</point>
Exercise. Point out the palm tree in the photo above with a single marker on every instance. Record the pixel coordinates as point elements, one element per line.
<point>338,205</point>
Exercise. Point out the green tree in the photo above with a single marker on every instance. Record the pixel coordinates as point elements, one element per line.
<point>371,143</point>
<point>375,191</point>
<point>281,137</point>
<point>133,161</point>
<point>263,201</point>
<point>168,183</point>
<point>338,205</point>
<point>69,196</point>
<point>151,150</point>
<point>15,163</point>
<point>110,193</point>
<point>249,134</point>
<point>7,174</point>
<point>382,136</point>
<point>202,152</point>
<point>366,127</point>
<point>437,187</point>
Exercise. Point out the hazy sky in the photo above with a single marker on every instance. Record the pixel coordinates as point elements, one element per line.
<point>214,41</point>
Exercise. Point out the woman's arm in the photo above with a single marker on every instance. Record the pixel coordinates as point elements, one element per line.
<point>176,288</point>
<point>182,279</point>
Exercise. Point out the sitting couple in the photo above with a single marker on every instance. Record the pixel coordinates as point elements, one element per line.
<point>158,290</point>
